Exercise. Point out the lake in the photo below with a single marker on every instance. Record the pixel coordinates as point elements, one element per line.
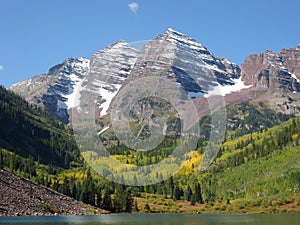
<point>156,219</point>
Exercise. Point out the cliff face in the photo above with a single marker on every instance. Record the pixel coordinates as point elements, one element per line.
<point>274,78</point>
<point>20,197</point>
<point>55,91</point>
<point>270,70</point>
<point>172,54</point>
<point>291,59</point>
<point>269,77</point>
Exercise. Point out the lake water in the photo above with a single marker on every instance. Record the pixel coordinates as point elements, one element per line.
<point>155,219</point>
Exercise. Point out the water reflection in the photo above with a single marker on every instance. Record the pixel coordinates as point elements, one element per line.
<point>155,219</point>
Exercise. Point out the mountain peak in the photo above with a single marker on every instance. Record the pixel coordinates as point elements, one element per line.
<point>117,44</point>
<point>170,30</point>
<point>178,56</point>
<point>181,39</point>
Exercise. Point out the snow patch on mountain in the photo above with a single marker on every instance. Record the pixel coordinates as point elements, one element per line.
<point>294,76</point>
<point>103,130</point>
<point>109,69</point>
<point>223,90</point>
<point>74,95</point>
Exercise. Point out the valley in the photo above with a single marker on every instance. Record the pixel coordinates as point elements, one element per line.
<point>237,128</point>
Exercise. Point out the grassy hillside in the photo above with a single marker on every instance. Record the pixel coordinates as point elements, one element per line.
<point>261,169</point>
<point>258,172</point>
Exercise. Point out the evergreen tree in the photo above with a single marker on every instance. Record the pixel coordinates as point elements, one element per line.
<point>193,200</point>
<point>129,202</point>
<point>12,162</point>
<point>198,194</point>
<point>65,188</point>
<point>147,207</point>
<point>171,187</point>
<point>136,208</point>
<point>177,193</point>
<point>188,193</point>
<point>106,201</point>
<point>1,159</point>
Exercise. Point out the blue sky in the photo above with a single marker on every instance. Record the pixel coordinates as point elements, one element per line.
<point>37,34</point>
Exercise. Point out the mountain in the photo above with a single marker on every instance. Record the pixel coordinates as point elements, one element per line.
<point>255,168</point>
<point>274,78</point>
<point>109,69</point>
<point>184,60</point>
<point>291,59</point>
<point>55,91</point>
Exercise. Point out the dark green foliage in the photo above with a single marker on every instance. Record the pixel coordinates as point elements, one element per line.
<point>198,194</point>
<point>193,200</point>
<point>31,137</point>
<point>244,119</point>
<point>30,131</point>
<point>177,193</point>
<point>16,163</point>
<point>136,208</point>
<point>188,193</point>
<point>106,201</point>
<point>147,207</point>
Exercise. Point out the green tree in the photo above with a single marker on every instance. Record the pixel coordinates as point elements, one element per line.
<point>12,162</point>
<point>65,188</point>
<point>198,194</point>
<point>106,201</point>
<point>1,159</point>
<point>177,193</point>
<point>147,207</point>
<point>171,187</point>
<point>136,208</point>
<point>188,193</point>
<point>193,200</point>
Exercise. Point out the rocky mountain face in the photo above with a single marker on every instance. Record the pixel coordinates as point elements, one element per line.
<point>275,78</point>
<point>176,56</point>
<point>291,59</point>
<point>269,77</point>
<point>109,68</point>
<point>55,90</point>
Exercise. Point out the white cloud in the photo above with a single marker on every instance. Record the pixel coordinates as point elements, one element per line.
<point>1,67</point>
<point>133,6</point>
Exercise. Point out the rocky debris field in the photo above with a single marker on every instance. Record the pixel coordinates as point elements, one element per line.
<point>20,197</point>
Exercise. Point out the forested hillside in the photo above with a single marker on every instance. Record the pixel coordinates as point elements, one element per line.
<point>259,171</point>
<point>257,164</point>
<point>39,147</point>
<point>257,168</point>
<point>30,131</point>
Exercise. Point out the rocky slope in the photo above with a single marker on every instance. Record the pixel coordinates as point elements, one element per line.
<point>19,196</point>
<point>173,54</point>
<point>55,90</point>
<point>275,78</point>
<point>178,57</point>
<point>109,68</point>
<point>291,59</point>
<point>269,77</point>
